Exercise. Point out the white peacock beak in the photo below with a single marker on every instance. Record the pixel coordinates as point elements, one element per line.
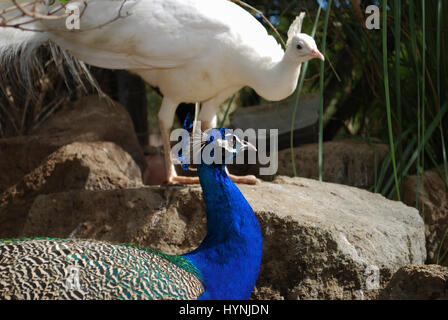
<point>317,54</point>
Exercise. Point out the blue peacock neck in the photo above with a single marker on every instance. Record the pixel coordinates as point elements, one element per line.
<point>229,258</point>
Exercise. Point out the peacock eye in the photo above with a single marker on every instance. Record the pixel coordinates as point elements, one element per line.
<point>299,47</point>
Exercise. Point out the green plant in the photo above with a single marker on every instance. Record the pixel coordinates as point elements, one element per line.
<point>321,90</point>
<point>298,93</point>
<point>391,84</point>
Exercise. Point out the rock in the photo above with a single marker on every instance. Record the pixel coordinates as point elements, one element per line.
<point>90,119</point>
<point>77,166</point>
<point>418,282</point>
<point>167,219</point>
<point>325,240</point>
<point>155,173</point>
<point>348,162</point>
<point>82,166</point>
<point>277,115</point>
<point>266,293</point>
<point>435,211</point>
<point>321,240</point>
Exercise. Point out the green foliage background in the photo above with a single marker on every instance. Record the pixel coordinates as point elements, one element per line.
<point>356,104</point>
<point>388,85</point>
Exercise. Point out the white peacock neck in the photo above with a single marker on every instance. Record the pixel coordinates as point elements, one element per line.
<point>277,80</point>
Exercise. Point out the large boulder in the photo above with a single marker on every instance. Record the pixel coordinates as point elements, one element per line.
<point>89,119</point>
<point>167,219</point>
<point>277,115</point>
<point>349,162</point>
<point>427,282</point>
<point>435,212</point>
<point>77,166</point>
<point>327,241</point>
<point>321,240</point>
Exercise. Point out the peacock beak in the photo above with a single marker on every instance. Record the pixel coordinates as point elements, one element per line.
<point>317,54</point>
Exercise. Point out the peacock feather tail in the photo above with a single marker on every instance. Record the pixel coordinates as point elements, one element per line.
<point>60,269</point>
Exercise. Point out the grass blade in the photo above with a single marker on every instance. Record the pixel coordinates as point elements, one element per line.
<point>422,148</point>
<point>321,83</point>
<point>429,132</point>
<point>388,159</point>
<point>413,30</point>
<point>388,106</point>
<point>397,24</point>
<point>439,92</point>
<point>299,91</point>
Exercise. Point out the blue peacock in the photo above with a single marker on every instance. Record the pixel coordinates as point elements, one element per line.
<point>224,266</point>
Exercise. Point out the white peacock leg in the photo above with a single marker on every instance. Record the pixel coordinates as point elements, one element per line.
<point>166,119</point>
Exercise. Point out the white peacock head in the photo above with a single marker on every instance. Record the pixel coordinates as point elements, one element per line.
<point>301,46</point>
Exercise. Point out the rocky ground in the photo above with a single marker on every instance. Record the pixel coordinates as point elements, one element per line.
<point>418,282</point>
<point>80,176</point>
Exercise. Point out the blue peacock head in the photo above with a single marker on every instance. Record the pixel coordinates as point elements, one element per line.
<point>221,146</point>
<point>215,147</point>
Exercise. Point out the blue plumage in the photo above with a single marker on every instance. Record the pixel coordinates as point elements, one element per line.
<point>229,257</point>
